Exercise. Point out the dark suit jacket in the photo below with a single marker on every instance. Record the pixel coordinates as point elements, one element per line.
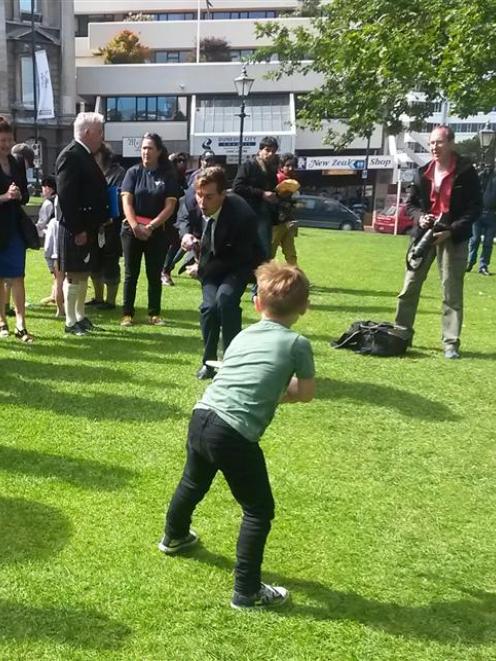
<point>251,182</point>
<point>235,238</point>
<point>10,211</point>
<point>82,190</point>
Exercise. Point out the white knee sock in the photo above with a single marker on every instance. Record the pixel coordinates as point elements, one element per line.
<point>71,291</point>
<point>81,298</point>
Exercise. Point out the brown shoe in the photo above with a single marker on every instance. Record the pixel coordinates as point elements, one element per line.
<point>127,320</point>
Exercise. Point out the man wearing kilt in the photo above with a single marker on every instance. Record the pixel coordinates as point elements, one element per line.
<point>82,194</point>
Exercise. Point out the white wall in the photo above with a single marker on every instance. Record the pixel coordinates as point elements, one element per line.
<point>181,35</point>
<point>203,78</point>
<point>125,6</point>
<point>116,131</point>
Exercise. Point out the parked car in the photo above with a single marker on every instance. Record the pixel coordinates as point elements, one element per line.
<point>315,211</point>
<point>384,220</point>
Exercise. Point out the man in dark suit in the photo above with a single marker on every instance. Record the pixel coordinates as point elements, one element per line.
<point>82,196</point>
<point>221,227</point>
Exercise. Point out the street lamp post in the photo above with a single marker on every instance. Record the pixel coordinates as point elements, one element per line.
<point>486,136</point>
<point>243,85</point>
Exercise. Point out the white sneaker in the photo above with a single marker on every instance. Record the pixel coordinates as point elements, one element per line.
<point>269,596</point>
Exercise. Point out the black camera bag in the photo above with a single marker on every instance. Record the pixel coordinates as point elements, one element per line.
<point>375,338</point>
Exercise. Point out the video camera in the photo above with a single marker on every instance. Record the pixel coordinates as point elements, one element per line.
<point>421,245</point>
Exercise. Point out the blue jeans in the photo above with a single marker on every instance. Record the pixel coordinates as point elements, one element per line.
<point>484,226</point>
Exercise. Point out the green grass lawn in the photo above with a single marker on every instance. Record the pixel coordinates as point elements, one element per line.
<point>384,485</point>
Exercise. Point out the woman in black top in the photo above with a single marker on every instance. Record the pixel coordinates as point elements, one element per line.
<point>13,193</point>
<point>149,196</point>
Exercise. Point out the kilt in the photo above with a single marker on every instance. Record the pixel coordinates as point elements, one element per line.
<point>73,258</point>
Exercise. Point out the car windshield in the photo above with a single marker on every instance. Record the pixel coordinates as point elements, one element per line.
<point>390,211</point>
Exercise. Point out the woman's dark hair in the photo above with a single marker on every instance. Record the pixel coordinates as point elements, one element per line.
<point>163,159</point>
<point>5,127</point>
<point>288,158</point>
<point>106,156</point>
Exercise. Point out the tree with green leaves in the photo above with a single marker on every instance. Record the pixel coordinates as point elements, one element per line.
<point>124,48</point>
<point>212,49</point>
<point>373,56</point>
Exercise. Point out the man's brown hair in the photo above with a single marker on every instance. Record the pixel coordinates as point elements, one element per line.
<point>283,290</point>
<point>213,175</point>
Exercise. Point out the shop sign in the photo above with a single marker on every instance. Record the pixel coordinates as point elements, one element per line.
<point>353,163</point>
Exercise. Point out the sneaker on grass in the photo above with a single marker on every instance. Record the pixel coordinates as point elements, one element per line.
<point>269,596</point>
<point>171,546</point>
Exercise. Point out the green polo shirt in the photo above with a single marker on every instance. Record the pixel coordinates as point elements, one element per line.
<point>255,372</point>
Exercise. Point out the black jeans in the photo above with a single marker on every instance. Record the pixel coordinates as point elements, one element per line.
<point>213,445</point>
<point>154,250</point>
<point>221,308</point>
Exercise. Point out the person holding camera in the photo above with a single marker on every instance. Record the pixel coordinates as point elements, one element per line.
<point>445,196</point>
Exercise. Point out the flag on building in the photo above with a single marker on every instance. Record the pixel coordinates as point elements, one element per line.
<point>209,7</point>
<point>44,84</point>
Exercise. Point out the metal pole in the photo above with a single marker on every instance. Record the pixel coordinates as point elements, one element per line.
<point>242,116</point>
<point>35,93</point>
<point>365,171</point>
<point>398,200</point>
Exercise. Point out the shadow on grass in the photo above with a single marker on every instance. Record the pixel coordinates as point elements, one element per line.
<point>362,311</point>
<point>469,621</point>
<point>25,385</point>
<point>317,289</point>
<point>74,627</point>
<point>406,403</point>
<point>30,530</point>
<point>80,472</point>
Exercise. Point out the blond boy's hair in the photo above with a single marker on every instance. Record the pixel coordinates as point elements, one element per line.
<point>282,289</point>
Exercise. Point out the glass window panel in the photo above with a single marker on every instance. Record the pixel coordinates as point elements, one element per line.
<point>25,6</point>
<point>166,107</point>
<point>27,82</point>
<point>111,112</point>
<point>182,109</point>
<point>126,107</point>
<point>151,108</point>
<point>141,108</point>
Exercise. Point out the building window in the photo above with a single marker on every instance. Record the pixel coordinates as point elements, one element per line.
<point>235,15</point>
<point>146,109</point>
<point>25,9</point>
<point>27,82</point>
<point>82,21</point>
<point>175,16</point>
<point>165,56</point>
<point>25,6</point>
<point>266,114</point>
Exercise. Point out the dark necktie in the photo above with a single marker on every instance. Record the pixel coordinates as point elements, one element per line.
<point>206,247</point>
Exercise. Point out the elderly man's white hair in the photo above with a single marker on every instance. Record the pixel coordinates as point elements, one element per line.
<point>84,121</point>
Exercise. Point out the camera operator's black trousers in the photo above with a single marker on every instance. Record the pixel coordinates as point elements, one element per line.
<point>452,262</point>
<point>213,446</point>
<point>220,308</point>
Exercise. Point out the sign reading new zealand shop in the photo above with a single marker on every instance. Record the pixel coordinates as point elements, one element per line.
<point>345,163</point>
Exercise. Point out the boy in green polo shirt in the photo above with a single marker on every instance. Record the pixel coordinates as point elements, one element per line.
<point>265,364</point>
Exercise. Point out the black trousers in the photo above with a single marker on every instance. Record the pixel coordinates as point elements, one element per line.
<point>220,308</point>
<point>174,252</point>
<point>212,446</point>
<point>154,251</point>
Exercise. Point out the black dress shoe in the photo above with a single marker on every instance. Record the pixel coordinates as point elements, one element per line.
<point>205,372</point>
<point>76,329</point>
<point>88,326</point>
<point>105,306</point>
<point>93,302</point>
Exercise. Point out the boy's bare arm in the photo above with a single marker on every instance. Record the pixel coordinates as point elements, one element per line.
<point>299,390</point>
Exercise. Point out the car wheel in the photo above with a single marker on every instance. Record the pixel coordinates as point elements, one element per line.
<point>347,227</point>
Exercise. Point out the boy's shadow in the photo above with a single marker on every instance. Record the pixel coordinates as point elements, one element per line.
<point>470,620</point>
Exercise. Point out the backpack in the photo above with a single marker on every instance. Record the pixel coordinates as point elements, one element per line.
<point>375,338</point>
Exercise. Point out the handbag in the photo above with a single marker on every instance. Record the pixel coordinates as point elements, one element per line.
<point>28,230</point>
<point>375,338</point>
